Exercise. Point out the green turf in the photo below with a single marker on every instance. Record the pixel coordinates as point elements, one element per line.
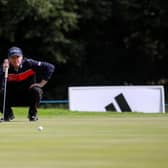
<point>84,140</point>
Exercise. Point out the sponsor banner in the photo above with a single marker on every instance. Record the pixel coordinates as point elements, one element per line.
<point>148,99</point>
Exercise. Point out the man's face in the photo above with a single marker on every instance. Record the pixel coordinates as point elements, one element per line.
<point>15,61</point>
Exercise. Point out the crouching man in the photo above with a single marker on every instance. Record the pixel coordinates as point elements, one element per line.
<point>23,89</point>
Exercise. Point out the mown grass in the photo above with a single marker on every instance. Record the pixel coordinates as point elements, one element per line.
<point>85,140</point>
<point>52,112</point>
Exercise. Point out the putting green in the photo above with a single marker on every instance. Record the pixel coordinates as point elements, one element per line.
<point>85,140</point>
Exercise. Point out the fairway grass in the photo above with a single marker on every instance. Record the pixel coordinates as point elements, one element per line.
<point>84,140</point>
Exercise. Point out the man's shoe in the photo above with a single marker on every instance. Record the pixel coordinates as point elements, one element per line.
<point>32,114</point>
<point>33,118</point>
<point>8,118</point>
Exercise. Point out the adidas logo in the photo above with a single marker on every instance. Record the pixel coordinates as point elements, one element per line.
<point>121,102</point>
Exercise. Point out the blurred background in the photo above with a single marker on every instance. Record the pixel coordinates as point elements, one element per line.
<point>102,42</point>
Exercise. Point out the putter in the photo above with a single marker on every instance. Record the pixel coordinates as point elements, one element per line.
<point>6,67</point>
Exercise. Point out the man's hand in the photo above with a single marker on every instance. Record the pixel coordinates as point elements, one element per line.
<point>5,64</point>
<point>5,67</point>
<point>41,84</point>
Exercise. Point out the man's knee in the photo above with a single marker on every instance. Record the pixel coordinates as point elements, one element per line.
<point>36,91</point>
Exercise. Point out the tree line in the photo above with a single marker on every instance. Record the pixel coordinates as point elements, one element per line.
<point>102,42</point>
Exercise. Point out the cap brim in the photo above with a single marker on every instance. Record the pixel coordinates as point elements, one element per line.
<point>16,54</point>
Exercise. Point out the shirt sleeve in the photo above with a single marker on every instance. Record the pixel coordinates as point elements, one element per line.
<point>44,69</point>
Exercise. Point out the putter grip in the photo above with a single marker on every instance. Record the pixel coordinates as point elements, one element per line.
<point>6,72</point>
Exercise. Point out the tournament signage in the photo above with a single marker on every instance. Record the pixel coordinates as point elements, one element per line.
<point>147,99</point>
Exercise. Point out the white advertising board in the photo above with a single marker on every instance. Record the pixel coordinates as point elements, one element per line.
<point>147,99</point>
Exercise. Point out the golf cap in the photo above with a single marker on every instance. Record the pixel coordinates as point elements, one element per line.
<point>15,51</point>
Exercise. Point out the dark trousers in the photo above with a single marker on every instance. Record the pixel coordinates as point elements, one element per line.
<point>30,97</point>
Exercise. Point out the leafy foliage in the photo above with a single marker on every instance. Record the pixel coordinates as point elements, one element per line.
<point>39,24</point>
<point>93,42</point>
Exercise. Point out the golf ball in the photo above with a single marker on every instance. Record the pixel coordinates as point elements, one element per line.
<point>40,128</point>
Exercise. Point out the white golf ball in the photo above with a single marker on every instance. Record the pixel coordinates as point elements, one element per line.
<point>40,128</point>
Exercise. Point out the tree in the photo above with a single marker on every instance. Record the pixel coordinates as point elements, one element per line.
<point>122,39</point>
<point>41,25</point>
<point>143,36</point>
<point>94,42</point>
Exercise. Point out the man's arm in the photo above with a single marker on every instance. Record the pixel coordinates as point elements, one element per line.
<point>40,84</point>
<point>45,69</point>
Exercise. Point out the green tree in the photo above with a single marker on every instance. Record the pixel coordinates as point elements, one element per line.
<point>143,19</point>
<point>121,33</point>
<point>42,25</point>
<point>94,42</point>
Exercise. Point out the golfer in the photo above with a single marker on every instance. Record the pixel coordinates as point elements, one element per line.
<point>26,78</point>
